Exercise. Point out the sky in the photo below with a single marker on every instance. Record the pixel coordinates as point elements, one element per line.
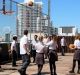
<point>62,13</point>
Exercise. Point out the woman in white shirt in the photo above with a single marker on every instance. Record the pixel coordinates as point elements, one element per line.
<point>40,54</point>
<point>76,56</point>
<point>52,54</point>
<point>45,40</point>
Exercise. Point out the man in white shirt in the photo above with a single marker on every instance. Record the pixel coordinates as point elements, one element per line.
<point>63,45</point>
<point>24,52</point>
<point>34,41</point>
<point>14,50</point>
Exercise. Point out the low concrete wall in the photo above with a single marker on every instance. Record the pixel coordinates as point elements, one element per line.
<point>5,53</point>
<point>69,40</point>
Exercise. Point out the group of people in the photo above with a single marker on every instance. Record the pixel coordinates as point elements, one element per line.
<point>76,48</point>
<point>39,48</point>
<point>42,48</point>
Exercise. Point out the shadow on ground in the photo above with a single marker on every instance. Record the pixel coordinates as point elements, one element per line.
<point>43,73</point>
<point>71,74</point>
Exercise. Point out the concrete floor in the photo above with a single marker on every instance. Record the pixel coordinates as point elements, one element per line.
<point>64,64</point>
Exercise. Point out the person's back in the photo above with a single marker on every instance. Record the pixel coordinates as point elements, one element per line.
<point>24,51</point>
<point>23,40</point>
<point>63,42</point>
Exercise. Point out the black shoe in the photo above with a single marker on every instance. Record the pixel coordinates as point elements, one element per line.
<point>33,61</point>
<point>14,65</point>
<point>52,73</point>
<point>55,74</point>
<point>71,71</point>
<point>0,66</point>
<point>24,74</point>
<point>78,72</point>
<point>1,70</point>
<point>20,71</point>
<point>63,55</point>
<point>39,74</point>
<point>45,57</point>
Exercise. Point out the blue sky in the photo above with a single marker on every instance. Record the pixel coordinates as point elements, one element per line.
<point>63,13</point>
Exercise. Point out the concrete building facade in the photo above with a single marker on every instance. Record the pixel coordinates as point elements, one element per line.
<point>67,31</point>
<point>32,19</point>
<point>27,18</point>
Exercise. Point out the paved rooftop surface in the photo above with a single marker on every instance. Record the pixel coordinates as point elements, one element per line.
<point>64,64</point>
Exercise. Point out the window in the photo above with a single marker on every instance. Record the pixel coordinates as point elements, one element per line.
<point>66,29</point>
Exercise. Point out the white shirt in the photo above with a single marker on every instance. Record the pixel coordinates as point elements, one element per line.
<point>77,43</point>
<point>34,42</point>
<point>23,41</point>
<point>45,40</point>
<point>13,45</point>
<point>63,42</point>
<point>39,47</point>
<point>52,45</point>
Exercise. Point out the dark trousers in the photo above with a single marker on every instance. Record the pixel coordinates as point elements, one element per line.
<point>74,64</point>
<point>14,57</point>
<point>52,60</point>
<point>52,66</point>
<point>39,69</point>
<point>63,48</point>
<point>46,52</point>
<point>26,61</point>
<point>34,55</point>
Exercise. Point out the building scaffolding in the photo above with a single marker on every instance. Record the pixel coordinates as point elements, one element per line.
<point>31,18</point>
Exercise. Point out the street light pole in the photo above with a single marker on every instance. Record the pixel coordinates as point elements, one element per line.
<point>48,17</point>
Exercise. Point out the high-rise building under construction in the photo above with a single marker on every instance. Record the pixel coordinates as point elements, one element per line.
<point>31,18</point>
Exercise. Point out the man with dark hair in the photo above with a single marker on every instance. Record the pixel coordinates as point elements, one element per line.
<point>25,32</point>
<point>14,50</point>
<point>34,41</point>
<point>63,45</point>
<point>24,52</point>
